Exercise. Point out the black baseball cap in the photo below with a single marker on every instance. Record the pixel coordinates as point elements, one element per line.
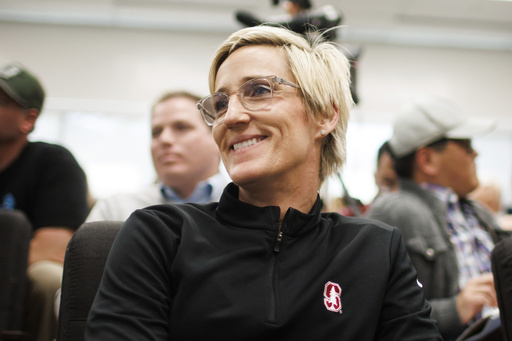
<point>22,86</point>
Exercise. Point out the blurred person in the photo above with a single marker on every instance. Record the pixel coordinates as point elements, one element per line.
<point>45,182</point>
<point>385,175</point>
<point>385,179</point>
<point>505,221</point>
<point>296,7</point>
<point>301,18</point>
<point>488,193</point>
<point>448,236</point>
<point>306,21</point>
<point>185,158</point>
<point>264,263</point>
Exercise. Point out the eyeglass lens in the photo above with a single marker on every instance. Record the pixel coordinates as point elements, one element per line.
<point>254,95</point>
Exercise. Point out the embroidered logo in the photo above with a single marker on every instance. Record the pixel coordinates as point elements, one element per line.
<point>332,297</point>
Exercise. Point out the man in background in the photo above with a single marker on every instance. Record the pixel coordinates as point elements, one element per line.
<point>386,181</point>
<point>300,18</point>
<point>385,175</point>
<point>185,157</point>
<point>488,193</point>
<point>448,237</point>
<point>46,184</point>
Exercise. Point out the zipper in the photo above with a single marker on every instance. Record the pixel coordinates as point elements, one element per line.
<point>273,279</point>
<point>272,298</point>
<point>279,238</point>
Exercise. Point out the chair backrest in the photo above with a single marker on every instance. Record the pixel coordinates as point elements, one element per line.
<point>501,259</point>
<point>15,234</point>
<point>85,259</point>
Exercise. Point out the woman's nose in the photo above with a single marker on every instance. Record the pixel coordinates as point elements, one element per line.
<point>236,113</point>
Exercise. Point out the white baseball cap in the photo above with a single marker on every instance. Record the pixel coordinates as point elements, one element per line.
<point>428,119</point>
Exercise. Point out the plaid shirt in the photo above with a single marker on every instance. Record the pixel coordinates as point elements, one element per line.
<point>472,243</point>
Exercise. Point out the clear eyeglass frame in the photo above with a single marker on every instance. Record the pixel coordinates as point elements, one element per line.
<point>249,94</point>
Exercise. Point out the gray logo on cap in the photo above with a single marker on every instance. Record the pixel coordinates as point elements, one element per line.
<point>10,71</point>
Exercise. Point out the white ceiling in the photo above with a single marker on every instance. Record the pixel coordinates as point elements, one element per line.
<point>480,24</point>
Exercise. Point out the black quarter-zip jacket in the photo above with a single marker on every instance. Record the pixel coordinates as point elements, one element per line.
<point>227,271</point>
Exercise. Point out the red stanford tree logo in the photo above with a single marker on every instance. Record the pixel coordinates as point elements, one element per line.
<point>332,297</point>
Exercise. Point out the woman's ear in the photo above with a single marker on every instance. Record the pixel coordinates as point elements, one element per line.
<point>327,124</point>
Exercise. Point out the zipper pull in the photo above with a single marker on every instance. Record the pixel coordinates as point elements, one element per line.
<point>278,241</point>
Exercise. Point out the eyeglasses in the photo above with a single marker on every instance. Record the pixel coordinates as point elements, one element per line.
<point>255,94</point>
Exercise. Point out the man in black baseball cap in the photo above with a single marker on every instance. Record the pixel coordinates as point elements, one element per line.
<point>43,184</point>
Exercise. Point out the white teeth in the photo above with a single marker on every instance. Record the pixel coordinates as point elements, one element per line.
<point>245,143</point>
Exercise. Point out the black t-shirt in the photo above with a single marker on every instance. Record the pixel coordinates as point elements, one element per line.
<point>47,184</point>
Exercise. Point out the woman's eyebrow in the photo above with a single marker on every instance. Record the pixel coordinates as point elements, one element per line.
<point>241,81</point>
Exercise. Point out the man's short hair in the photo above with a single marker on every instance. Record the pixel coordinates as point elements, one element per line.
<point>176,94</point>
<point>383,149</point>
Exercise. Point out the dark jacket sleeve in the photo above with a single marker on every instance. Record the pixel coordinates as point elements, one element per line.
<point>405,312</point>
<point>134,297</point>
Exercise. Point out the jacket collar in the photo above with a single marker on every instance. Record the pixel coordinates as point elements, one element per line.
<point>437,205</point>
<point>234,212</point>
<point>427,196</point>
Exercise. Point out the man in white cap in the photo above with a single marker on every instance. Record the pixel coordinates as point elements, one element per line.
<point>448,237</point>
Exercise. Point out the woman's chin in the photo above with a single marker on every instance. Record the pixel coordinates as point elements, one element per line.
<point>246,179</point>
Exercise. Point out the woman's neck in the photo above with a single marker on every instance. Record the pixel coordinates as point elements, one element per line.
<point>300,195</point>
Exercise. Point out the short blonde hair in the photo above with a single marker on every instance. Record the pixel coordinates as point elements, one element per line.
<point>322,73</point>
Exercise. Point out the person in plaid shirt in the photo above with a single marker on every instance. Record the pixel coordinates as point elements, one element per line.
<point>448,236</point>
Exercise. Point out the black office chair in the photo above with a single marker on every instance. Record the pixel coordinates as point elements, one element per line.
<point>15,234</point>
<point>85,259</point>
<point>501,259</point>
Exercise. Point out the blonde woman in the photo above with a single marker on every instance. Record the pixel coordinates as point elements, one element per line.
<point>264,263</point>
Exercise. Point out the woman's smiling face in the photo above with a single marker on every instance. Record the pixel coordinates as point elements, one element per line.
<point>277,144</point>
